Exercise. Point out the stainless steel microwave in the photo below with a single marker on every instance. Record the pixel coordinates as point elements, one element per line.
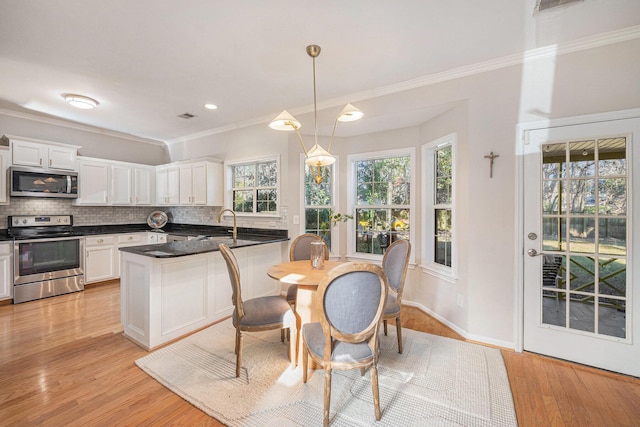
<point>37,182</point>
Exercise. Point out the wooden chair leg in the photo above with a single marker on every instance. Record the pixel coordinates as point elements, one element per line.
<point>327,395</point>
<point>399,332</point>
<point>376,392</point>
<point>384,322</point>
<point>305,363</point>
<point>291,332</point>
<point>282,332</point>
<point>239,353</point>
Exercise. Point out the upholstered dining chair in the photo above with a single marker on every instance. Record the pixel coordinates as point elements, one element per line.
<point>257,314</point>
<point>352,297</point>
<point>394,263</point>
<point>301,249</point>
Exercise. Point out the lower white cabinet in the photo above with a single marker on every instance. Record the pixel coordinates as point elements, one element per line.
<point>100,258</point>
<point>163,299</point>
<point>6,279</point>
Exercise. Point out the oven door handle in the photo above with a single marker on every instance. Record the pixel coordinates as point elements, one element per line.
<point>68,183</point>
<point>48,239</point>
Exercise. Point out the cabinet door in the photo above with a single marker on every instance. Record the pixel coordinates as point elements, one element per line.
<point>199,184</point>
<point>121,183</point>
<point>62,158</point>
<point>99,263</point>
<point>93,183</point>
<point>27,153</point>
<point>6,279</point>
<point>142,186</point>
<point>173,186</point>
<point>4,164</point>
<point>186,185</point>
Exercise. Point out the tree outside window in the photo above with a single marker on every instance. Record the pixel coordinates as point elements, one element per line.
<point>255,187</point>
<point>318,204</point>
<point>382,202</point>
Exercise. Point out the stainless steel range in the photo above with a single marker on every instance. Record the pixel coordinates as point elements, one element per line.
<point>48,258</point>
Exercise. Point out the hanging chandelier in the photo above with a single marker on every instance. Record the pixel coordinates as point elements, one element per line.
<point>317,157</point>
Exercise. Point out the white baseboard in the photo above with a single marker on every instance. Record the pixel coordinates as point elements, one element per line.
<point>465,334</point>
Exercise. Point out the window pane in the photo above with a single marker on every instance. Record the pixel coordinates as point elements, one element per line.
<point>582,159</point>
<point>612,319</point>
<point>243,176</point>
<point>442,249</point>
<point>582,234</point>
<point>582,196</point>
<point>612,155</point>
<point>243,201</point>
<point>612,236</point>
<point>266,200</point>
<point>612,196</point>
<point>551,196</point>
<point>554,238</point>
<point>318,194</point>
<point>267,174</point>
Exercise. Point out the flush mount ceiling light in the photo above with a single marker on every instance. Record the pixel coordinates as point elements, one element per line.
<point>211,106</point>
<point>80,101</point>
<point>317,157</point>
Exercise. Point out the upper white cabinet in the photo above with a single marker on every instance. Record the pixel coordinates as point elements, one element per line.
<point>167,185</point>
<point>143,179</point>
<point>197,183</point>
<point>5,160</point>
<point>104,182</point>
<point>41,154</point>
<point>93,182</point>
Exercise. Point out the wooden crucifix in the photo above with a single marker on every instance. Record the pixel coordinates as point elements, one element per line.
<point>491,157</point>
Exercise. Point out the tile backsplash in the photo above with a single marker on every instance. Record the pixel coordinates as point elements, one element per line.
<point>98,215</point>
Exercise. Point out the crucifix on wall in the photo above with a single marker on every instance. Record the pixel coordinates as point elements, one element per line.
<point>491,157</point>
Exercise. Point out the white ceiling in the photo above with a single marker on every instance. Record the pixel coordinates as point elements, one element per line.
<point>148,61</point>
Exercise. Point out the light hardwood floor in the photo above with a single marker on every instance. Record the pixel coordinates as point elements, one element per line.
<point>64,362</point>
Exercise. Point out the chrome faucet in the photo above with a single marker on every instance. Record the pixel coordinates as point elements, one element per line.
<point>235,228</point>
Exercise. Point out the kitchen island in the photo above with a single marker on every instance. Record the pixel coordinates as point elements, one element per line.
<point>173,289</point>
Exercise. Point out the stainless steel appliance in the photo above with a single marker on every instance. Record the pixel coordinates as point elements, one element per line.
<point>37,182</point>
<point>48,259</point>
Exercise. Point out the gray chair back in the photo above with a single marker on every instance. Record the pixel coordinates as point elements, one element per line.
<point>301,247</point>
<point>353,296</point>
<point>234,277</point>
<point>395,263</point>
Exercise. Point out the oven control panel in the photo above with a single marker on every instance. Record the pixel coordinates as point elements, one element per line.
<point>40,220</point>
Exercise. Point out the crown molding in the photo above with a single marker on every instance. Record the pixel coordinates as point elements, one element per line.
<point>78,126</point>
<point>603,39</point>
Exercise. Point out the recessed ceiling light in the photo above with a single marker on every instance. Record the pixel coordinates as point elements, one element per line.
<point>80,101</point>
<point>211,106</point>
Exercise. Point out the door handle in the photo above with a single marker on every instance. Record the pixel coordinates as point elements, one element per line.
<point>532,252</point>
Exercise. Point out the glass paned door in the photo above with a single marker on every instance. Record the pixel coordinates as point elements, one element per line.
<point>578,260</point>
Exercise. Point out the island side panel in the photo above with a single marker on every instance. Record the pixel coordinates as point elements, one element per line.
<point>134,298</point>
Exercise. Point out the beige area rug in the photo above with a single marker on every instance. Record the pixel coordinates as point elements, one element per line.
<point>435,382</point>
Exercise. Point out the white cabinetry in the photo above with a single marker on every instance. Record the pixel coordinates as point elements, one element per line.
<point>93,183</point>
<point>163,299</point>
<point>121,184</point>
<point>6,278</point>
<point>129,239</point>
<point>42,154</point>
<point>100,258</point>
<point>168,185</point>
<point>143,185</point>
<point>5,160</point>
<point>197,183</point>
<point>104,182</point>
<point>154,237</point>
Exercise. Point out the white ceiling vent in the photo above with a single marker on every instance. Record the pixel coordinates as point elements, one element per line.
<point>542,5</point>
<point>186,116</point>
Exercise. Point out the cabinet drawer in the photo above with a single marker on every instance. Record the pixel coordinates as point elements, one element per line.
<point>6,248</point>
<point>99,240</point>
<point>140,238</point>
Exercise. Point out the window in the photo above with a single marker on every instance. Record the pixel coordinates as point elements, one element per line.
<point>439,213</point>
<point>319,203</point>
<point>382,201</point>
<point>254,186</point>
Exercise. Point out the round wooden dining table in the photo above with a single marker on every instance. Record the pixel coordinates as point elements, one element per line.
<point>307,278</point>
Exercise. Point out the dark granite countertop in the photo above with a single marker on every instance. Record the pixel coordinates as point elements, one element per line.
<point>218,234</point>
<point>195,247</point>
